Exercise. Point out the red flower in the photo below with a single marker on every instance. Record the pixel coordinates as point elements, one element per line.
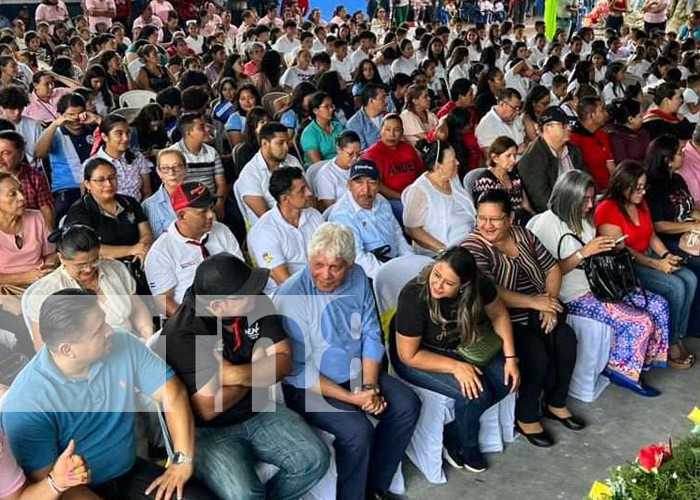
<point>651,457</point>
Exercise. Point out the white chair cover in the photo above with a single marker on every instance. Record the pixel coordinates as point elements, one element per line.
<point>471,178</point>
<point>594,342</point>
<point>136,98</point>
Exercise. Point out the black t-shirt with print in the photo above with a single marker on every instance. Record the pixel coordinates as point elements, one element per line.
<point>413,316</point>
<point>674,205</point>
<point>190,342</point>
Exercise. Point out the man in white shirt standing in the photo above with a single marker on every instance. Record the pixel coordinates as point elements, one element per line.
<point>279,239</point>
<point>503,119</point>
<point>289,42</point>
<point>193,236</point>
<point>251,188</point>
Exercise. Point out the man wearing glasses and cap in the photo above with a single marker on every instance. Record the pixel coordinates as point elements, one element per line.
<point>378,236</point>
<point>548,157</point>
<point>212,344</point>
<point>193,236</point>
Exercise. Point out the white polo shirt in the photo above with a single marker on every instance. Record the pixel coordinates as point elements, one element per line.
<point>254,180</point>
<point>492,127</point>
<point>331,181</point>
<point>273,241</point>
<point>343,67</point>
<point>171,262</point>
<point>286,47</point>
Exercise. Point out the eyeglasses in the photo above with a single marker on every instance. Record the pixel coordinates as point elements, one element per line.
<point>516,109</point>
<point>327,106</point>
<point>496,221</point>
<point>353,155</point>
<point>112,179</point>
<point>640,189</point>
<point>81,266</point>
<point>175,169</point>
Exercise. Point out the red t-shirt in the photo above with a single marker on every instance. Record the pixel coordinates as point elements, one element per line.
<point>607,212</point>
<point>596,153</point>
<point>398,167</point>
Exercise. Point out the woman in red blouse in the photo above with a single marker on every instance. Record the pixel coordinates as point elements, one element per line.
<point>623,212</point>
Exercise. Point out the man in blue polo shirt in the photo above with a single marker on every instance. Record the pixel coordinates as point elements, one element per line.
<point>68,142</point>
<point>81,386</point>
<point>329,314</point>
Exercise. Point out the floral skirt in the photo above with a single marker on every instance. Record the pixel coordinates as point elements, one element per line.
<point>640,340</point>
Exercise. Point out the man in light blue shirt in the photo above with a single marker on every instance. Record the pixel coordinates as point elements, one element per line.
<point>329,314</point>
<point>82,385</point>
<point>378,236</point>
<point>366,122</point>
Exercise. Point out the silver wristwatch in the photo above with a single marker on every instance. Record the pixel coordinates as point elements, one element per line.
<point>181,458</point>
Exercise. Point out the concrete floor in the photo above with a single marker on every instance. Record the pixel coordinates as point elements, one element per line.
<point>619,423</point>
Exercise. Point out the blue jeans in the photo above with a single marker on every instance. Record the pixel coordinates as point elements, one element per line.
<point>678,289</point>
<point>463,433</point>
<point>397,210</point>
<point>692,263</point>
<point>367,458</point>
<point>62,201</point>
<point>226,457</point>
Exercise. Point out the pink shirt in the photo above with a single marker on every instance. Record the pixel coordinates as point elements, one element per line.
<point>210,27</point>
<point>52,14</point>
<point>266,22</point>
<point>161,9</point>
<point>35,245</point>
<point>690,169</point>
<point>44,111</point>
<point>657,17</point>
<point>248,68</point>
<point>155,21</point>
<point>99,5</point>
<point>11,476</point>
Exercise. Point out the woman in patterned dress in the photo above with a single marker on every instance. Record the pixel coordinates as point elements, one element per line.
<point>640,338</point>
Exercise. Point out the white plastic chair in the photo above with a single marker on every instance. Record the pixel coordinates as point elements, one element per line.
<point>470,179</point>
<point>136,98</point>
<point>268,101</point>
<point>594,342</point>
<point>24,304</point>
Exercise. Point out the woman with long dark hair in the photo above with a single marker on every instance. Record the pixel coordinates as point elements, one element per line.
<point>458,65</point>
<point>148,134</point>
<point>257,117</point>
<point>225,107</point>
<point>491,82</point>
<point>248,97</point>
<point>623,211</point>
<point>451,303</point>
<point>267,79</point>
<point>536,102</point>
<point>233,68</point>
<point>332,84</point>
<point>366,73</point>
<point>116,79</point>
<point>95,78</point>
<point>133,170</point>
<point>296,112</point>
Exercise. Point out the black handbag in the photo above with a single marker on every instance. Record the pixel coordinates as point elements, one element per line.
<point>610,275</point>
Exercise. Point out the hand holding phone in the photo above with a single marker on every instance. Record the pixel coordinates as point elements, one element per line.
<point>621,239</point>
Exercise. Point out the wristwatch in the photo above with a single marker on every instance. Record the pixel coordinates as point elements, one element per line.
<point>372,387</point>
<point>181,458</point>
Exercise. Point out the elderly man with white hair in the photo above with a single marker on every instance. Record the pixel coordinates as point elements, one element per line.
<point>328,313</point>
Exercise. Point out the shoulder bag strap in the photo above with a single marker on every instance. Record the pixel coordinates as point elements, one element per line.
<point>561,240</point>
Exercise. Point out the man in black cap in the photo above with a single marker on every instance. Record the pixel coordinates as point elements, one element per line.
<point>193,236</point>
<point>232,432</point>
<point>378,236</point>
<point>548,157</point>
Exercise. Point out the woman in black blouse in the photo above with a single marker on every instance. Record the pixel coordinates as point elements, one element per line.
<point>672,207</point>
<point>491,82</point>
<point>448,304</point>
<point>118,220</point>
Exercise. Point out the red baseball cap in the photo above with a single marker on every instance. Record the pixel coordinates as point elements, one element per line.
<point>192,195</point>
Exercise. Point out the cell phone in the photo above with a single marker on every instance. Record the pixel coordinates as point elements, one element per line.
<point>621,239</point>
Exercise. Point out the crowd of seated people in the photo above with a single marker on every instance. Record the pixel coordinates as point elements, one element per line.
<point>183,188</point>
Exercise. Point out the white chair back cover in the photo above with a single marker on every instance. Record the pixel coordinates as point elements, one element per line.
<point>593,351</point>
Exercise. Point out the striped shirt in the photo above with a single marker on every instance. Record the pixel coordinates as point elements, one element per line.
<point>202,167</point>
<point>524,274</point>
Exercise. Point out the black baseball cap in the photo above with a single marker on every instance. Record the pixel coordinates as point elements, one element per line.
<point>364,168</point>
<point>226,274</point>
<point>555,114</point>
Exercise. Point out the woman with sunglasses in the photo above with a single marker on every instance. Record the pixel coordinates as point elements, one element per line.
<point>81,267</point>
<point>25,255</point>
